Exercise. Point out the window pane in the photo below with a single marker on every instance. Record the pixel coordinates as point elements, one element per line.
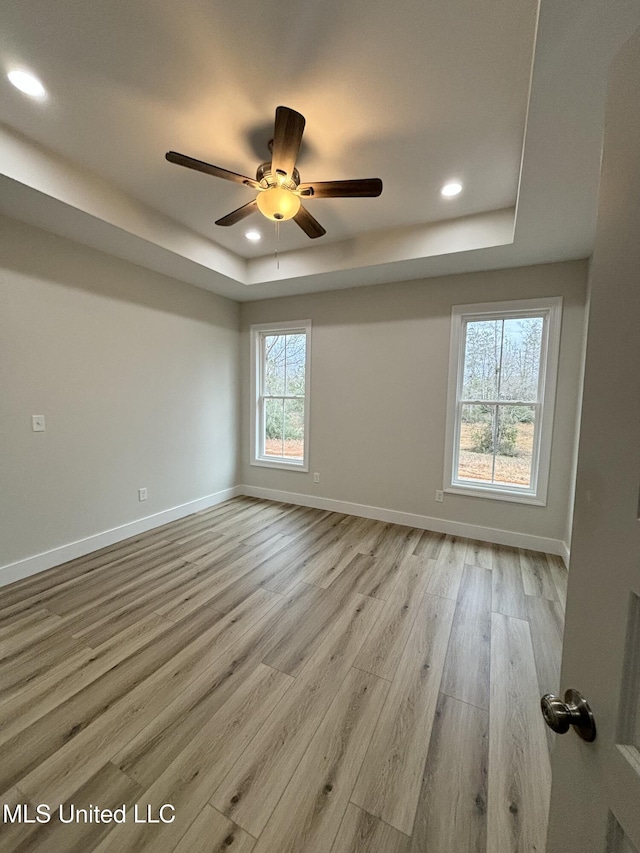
<point>284,428</point>
<point>274,363</point>
<point>482,360</point>
<point>475,459</point>
<point>274,428</point>
<point>294,428</point>
<point>514,451</point>
<point>522,340</point>
<point>296,358</point>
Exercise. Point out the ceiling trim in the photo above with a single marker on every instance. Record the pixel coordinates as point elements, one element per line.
<point>575,44</point>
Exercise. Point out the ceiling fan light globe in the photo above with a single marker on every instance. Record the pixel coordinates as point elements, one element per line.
<point>278,204</point>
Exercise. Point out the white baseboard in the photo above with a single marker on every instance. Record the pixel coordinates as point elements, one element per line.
<point>39,562</point>
<point>423,522</point>
<point>46,560</point>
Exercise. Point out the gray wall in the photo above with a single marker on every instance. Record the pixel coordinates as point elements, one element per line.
<point>137,376</point>
<point>379,390</point>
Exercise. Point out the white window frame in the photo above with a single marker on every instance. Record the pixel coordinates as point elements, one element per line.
<point>258,332</point>
<point>550,308</point>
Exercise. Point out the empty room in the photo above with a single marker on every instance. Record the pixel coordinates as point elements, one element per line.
<point>319,394</point>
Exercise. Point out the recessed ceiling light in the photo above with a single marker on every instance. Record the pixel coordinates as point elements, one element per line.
<point>27,83</point>
<point>254,236</point>
<point>451,189</point>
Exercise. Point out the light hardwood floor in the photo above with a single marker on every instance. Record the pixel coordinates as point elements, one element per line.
<point>290,680</point>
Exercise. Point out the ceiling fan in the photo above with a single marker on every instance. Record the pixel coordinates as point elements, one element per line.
<point>278,182</point>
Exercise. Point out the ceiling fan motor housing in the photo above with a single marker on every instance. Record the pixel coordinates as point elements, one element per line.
<point>267,178</point>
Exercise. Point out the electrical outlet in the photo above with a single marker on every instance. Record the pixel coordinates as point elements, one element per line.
<point>37,423</point>
<point>316,478</point>
<point>142,494</point>
<point>439,496</point>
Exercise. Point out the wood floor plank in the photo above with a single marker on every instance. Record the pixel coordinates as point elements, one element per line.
<point>238,651</point>
<point>389,783</point>
<point>244,522</point>
<point>546,621</point>
<point>295,520</point>
<point>390,551</point>
<point>223,588</point>
<point>389,540</point>
<point>308,815</point>
<point>361,832</point>
<point>479,554</point>
<point>304,636</point>
<point>447,568</point>
<point>288,569</point>
<point>35,697</point>
<point>536,575</point>
<point>105,586</point>
<point>508,589</point>
<point>252,788</point>
<point>374,535</point>
<point>388,563</point>
<point>429,544</point>
<point>238,513</point>
<point>103,627</point>
<point>12,834</point>
<point>246,575</point>
<point>213,555</point>
<point>383,648</point>
<point>156,745</point>
<point>47,631</point>
<point>36,660</point>
<point>467,669</point>
<point>560,577</point>
<point>190,779</point>
<point>109,789</point>
<point>452,810</point>
<point>329,565</point>
<point>200,534</point>
<point>212,832</point>
<point>21,624</point>
<point>519,771</point>
<point>361,574</point>
<point>105,599</point>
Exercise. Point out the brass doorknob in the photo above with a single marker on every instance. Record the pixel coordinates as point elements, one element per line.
<point>574,711</point>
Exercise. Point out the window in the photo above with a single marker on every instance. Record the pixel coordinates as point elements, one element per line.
<point>502,380</point>
<point>280,394</point>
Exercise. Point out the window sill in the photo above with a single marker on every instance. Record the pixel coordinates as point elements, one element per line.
<point>302,467</point>
<point>496,494</point>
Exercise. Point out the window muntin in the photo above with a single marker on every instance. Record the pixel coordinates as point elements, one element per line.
<point>503,372</point>
<point>281,400</point>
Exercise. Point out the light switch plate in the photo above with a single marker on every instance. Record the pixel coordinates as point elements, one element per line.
<point>37,423</point>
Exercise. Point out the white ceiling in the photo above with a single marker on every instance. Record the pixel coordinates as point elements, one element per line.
<point>416,93</point>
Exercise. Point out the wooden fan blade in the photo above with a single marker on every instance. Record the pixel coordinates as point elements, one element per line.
<point>237,215</point>
<point>209,169</point>
<point>309,225</point>
<point>365,187</point>
<point>287,137</point>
